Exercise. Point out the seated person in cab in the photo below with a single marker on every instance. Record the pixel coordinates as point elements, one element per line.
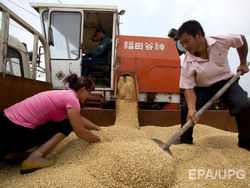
<point>97,56</point>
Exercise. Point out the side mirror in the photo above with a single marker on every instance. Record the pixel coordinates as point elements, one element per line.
<point>50,37</point>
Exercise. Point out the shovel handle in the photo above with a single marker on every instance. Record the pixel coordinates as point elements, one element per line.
<point>189,123</point>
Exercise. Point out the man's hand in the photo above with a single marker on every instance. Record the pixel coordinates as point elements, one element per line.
<point>82,48</point>
<point>243,68</point>
<point>190,115</point>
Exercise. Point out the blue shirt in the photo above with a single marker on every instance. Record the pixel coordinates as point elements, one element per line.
<point>100,53</point>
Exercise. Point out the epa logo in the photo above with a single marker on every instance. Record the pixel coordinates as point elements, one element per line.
<point>216,174</point>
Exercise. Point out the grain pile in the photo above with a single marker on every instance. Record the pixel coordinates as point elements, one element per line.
<point>127,157</point>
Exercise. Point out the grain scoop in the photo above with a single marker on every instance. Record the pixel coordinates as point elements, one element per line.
<point>175,138</point>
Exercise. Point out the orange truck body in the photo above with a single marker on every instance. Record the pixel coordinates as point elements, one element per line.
<point>154,61</point>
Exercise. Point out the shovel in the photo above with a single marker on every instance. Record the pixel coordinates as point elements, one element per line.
<point>175,138</point>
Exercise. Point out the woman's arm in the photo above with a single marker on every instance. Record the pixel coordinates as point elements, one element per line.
<point>77,125</point>
<point>89,125</point>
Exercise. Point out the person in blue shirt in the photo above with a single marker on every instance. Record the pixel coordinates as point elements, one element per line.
<point>97,56</point>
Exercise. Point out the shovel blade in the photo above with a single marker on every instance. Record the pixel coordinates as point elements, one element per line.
<point>160,143</point>
<point>157,141</point>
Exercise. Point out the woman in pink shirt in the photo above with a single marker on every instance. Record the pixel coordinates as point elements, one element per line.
<point>44,120</point>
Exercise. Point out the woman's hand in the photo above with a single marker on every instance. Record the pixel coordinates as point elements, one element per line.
<point>97,128</point>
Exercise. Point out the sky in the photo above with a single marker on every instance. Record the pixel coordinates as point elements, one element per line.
<point>154,18</point>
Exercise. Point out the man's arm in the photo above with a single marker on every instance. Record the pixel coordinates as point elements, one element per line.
<point>242,51</point>
<point>100,49</point>
<point>190,98</point>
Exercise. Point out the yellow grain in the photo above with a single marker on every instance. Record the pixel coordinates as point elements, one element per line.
<point>126,156</point>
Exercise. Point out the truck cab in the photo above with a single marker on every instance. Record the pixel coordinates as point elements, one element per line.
<point>154,61</point>
<point>65,27</point>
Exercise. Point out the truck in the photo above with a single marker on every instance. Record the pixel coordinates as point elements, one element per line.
<point>17,73</point>
<point>153,62</point>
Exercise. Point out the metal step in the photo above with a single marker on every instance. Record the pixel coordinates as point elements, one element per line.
<point>94,101</point>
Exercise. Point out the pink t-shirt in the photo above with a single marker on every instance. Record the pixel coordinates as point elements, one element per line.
<point>43,107</point>
<point>200,72</point>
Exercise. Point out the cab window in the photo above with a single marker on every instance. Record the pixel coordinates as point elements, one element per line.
<point>65,28</point>
<point>14,62</point>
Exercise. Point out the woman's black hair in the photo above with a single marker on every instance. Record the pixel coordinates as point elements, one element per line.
<point>190,27</point>
<point>76,82</point>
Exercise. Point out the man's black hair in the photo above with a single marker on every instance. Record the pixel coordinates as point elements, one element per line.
<point>99,29</point>
<point>190,27</point>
